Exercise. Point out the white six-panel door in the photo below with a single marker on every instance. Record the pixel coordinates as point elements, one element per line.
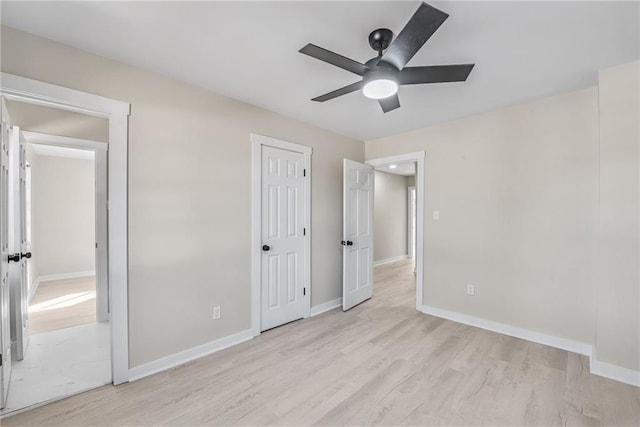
<point>357,260</point>
<point>282,266</point>
<point>5,334</point>
<point>18,243</point>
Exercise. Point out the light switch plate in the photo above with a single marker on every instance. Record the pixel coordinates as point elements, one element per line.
<point>436,215</point>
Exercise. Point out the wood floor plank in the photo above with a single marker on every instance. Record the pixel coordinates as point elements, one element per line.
<point>59,304</point>
<point>381,363</point>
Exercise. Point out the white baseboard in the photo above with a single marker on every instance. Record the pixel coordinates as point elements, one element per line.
<point>513,331</point>
<point>388,260</point>
<point>602,369</point>
<point>185,356</point>
<point>614,372</point>
<point>33,289</point>
<point>62,276</point>
<point>326,306</point>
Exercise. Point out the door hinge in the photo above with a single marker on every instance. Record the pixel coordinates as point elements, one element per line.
<point>304,231</point>
<point>304,291</point>
<point>0,359</point>
<point>304,172</point>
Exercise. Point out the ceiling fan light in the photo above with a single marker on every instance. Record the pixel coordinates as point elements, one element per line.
<point>380,88</point>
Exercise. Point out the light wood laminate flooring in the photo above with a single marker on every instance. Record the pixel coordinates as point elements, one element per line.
<point>380,363</point>
<point>60,304</point>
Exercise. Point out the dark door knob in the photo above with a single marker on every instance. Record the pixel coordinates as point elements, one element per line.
<point>14,258</point>
<point>349,243</point>
<point>266,247</point>
<point>26,255</point>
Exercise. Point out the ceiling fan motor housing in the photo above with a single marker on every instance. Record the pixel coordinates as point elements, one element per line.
<point>382,71</point>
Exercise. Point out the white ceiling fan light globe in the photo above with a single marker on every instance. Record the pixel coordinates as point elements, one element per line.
<point>380,88</point>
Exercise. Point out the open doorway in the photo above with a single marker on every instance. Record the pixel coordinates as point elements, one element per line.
<point>394,232</point>
<point>59,310</point>
<point>404,215</point>
<point>382,242</point>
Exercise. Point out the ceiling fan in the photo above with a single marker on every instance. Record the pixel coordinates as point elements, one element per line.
<point>382,74</point>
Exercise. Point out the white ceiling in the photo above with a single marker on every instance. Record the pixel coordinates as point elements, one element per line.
<point>55,151</point>
<point>248,51</point>
<point>405,169</point>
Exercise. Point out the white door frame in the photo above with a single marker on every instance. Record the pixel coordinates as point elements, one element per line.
<point>411,244</point>
<point>101,259</point>
<point>257,142</point>
<point>417,157</point>
<point>117,112</point>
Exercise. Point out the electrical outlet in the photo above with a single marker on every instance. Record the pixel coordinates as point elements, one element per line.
<point>471,290</point>
<point>216,313</point>
<point>436,215</point>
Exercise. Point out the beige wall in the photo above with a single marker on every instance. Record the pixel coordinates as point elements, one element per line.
<point>390,216</point>
<point>64,226</point>
<point>189,194</point>
<point>618,284</point>
<point>54,121</point>
<point>517,195</point>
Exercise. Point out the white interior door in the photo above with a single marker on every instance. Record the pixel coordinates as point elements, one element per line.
<point>357,258</point>
<point>283,233</point>
<point>5,335</point>
<point>18,244</point>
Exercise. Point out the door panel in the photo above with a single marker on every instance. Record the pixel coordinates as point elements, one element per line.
<point>18,244</point>
<point>358,234</point>
<point>5,335</point>
<point>282,232</point>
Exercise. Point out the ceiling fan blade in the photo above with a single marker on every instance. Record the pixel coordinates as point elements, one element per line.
<point>334,59</point>
<point>434,74</point>
<point>339,92</point>
<point>390,103</point>
<point>414,35</point>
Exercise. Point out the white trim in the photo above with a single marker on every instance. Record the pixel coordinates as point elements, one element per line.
<point>419,158</point>
<point>63,141</point>
<point>389,260</point>
<point>63,276</point>
<point>188,355</point>
<point>278,143</point>
<point>34,288</point>
<point>326,306</point>
<point>614,372</point>
<point>40,93</point>
<point>410,228</point>
<point>257,142</point>
<point>513,331</point>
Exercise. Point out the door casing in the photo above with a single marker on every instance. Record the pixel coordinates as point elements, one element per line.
<point>117,113</point>
<point>411,214</point>
<point>258,141</point>
<point>419,158</point>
